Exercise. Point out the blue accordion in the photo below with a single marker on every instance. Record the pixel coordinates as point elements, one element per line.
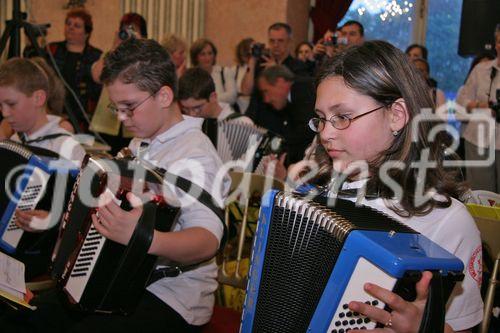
<point>310,261</point>
<point>28,182</point>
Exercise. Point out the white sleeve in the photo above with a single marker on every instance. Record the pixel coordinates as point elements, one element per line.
<point>468,92</point>
<point>200,168</point>
<point>228,92</point>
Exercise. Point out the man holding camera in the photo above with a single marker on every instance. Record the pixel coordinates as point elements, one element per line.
<point>279,42</point>
<point>481,93</point>
<point>351,33</point>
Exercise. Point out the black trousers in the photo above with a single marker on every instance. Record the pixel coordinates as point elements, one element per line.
<point>53,315</point>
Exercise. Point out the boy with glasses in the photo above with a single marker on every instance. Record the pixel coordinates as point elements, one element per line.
<point>140,78</point>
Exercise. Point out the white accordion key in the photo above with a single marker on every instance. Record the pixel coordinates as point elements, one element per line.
<point>364,272</point>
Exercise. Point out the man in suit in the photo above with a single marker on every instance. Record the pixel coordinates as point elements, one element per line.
<point>286,106</point>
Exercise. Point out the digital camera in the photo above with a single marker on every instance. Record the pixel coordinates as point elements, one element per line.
<point>126,32</point>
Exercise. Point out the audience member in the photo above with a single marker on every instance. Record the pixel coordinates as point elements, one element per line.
<point>203,54</point>
<point>437,94</point>
<point>106,123</point>
<point>279,43</point>
<point>481,57</point>
<point>354,32</point>
<point>480,92</point>
<point>416,51</point>
<point>287,105</point>
<point>74,57</point>
<point>242,74</point>
<point>304,53</point>
<point>330,44</point>
<point>177,47</point>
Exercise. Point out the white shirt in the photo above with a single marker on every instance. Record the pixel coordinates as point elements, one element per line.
<point>243,101</point>
<point>225,92</point>
<point>184,150</point>
<point>477,88</point>
<point>66,146</point>
<point>454,229</point>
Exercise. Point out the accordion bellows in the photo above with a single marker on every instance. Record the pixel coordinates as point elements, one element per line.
<point>234,140</point>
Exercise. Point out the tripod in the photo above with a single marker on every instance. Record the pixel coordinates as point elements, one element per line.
<point>12,31</point>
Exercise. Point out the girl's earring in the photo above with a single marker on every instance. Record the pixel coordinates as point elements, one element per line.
<point>395,133</point>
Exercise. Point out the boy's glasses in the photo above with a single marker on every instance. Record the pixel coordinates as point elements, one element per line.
<point>194,110</point>
<point>129,112</point>
<point>340,122</point>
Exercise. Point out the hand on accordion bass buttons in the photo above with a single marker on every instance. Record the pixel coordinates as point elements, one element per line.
<point>115,223</point>
<point>405,316</point>
<point>32,220</point>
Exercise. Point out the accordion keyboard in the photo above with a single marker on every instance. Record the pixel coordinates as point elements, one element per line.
<point>28,201</point>
<point>84,264</point>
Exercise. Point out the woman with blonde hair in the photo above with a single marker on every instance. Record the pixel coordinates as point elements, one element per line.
<point>177,47</point>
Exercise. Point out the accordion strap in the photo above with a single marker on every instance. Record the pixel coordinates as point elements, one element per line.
<point>42,138</point>
<point>136,250</point>
<point>434,312</point>
<point>205,198</point>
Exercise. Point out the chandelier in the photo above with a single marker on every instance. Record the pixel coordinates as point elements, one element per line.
<point>386,9</point>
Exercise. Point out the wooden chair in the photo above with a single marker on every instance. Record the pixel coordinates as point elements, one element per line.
<point>490,295</point>
<point>243,187</point>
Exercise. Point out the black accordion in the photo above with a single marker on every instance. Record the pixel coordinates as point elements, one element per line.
<point>234,139</point>
<point>98,274</point>
<point>309,261</point>
<point>32,178</point>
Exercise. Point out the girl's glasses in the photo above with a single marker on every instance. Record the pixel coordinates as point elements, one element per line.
<point>340,122</point>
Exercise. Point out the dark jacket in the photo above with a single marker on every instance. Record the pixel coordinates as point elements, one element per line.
<point>76,70</point>
<point>290,122</point>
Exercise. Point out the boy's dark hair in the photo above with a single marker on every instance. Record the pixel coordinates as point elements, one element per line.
<point>359,25</point>
<point>271,74</point>
<point>280,25</point>
<point>196,83</point>
<point>143,62</point>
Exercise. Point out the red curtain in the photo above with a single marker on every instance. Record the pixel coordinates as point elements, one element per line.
<point>327,14</point>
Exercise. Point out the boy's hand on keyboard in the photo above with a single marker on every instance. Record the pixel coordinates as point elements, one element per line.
<point>113,222</point>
